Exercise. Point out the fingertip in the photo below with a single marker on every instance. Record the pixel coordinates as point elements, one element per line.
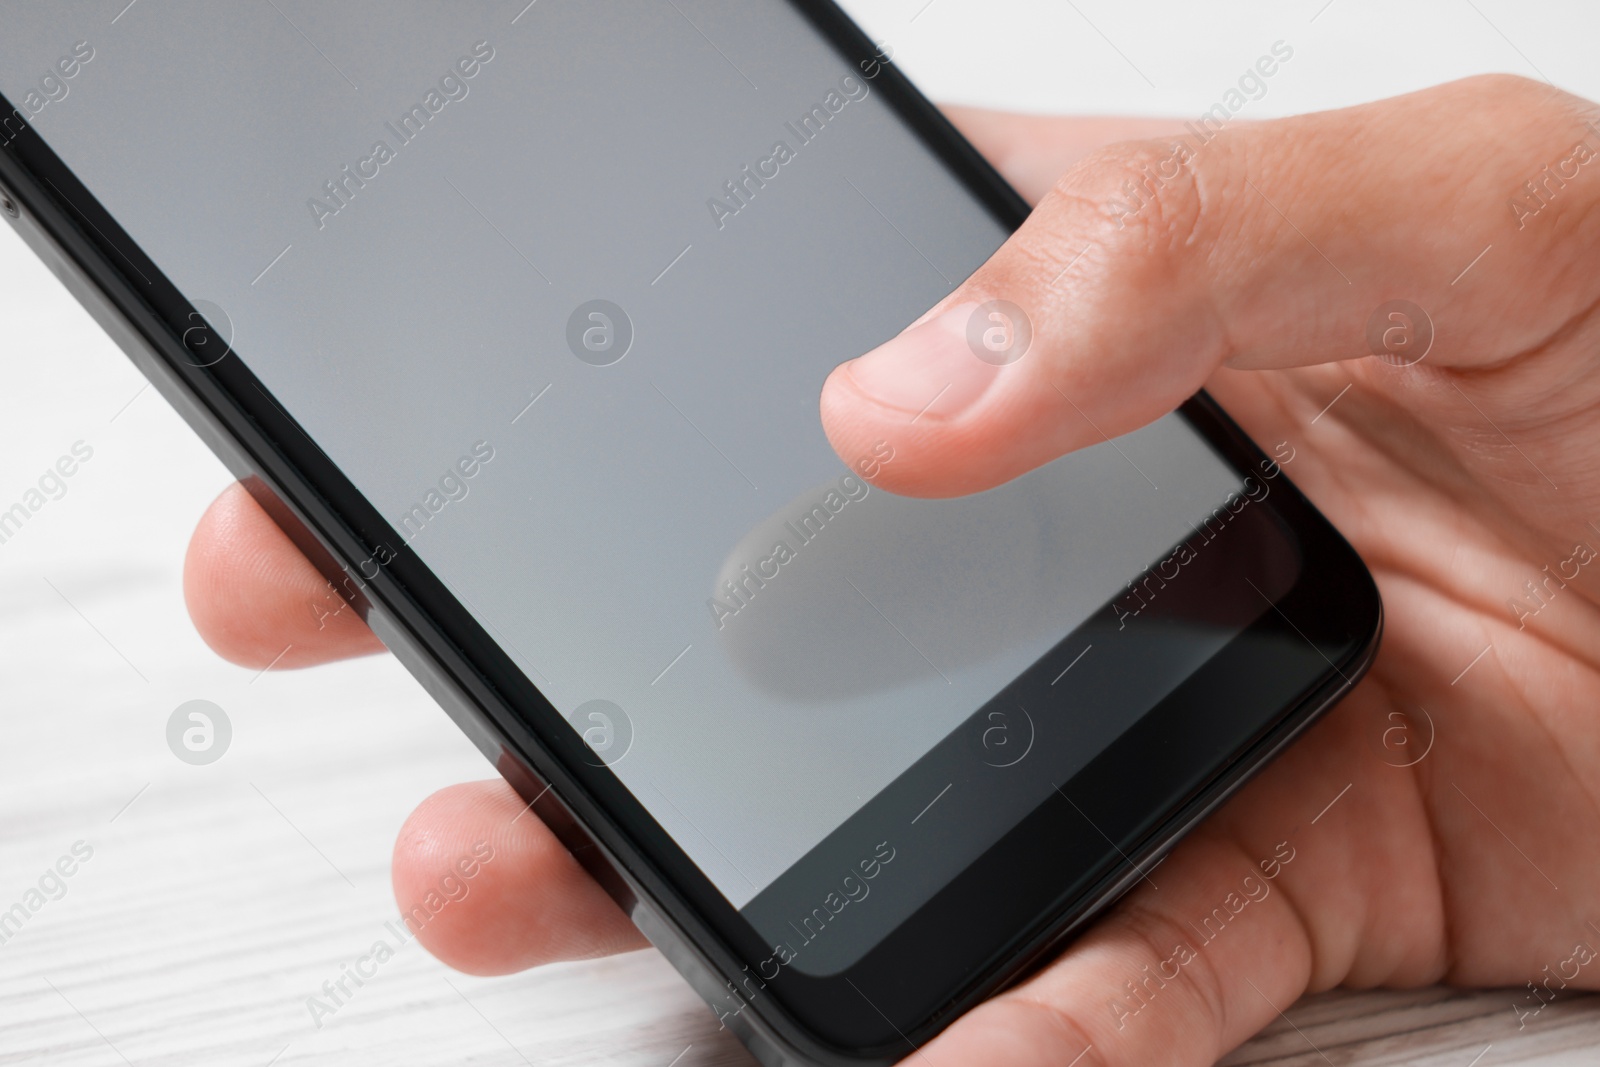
<point>880,444</point>
<point>487,888</point>
<point>254,597</point>
<point>925,415</point>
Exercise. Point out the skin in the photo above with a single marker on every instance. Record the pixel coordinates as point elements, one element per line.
<point>1458,479</point>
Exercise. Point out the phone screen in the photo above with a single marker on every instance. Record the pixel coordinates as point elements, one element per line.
<point>556,285</point>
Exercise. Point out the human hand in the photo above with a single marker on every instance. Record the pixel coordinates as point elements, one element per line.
<point>1408,877</point>
<point>1254,271</point>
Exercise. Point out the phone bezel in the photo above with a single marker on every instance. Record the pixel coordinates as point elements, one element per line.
<point>824,1020</point>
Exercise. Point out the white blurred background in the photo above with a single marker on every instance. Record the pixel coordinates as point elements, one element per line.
<point>222,896</point>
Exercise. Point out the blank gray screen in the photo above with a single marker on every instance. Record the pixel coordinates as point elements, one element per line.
<point>424,305</point>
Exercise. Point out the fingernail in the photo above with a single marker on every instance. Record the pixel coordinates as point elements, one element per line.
<point>930,370</point>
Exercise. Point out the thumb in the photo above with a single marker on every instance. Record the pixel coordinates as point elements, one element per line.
<point>1269,245</point>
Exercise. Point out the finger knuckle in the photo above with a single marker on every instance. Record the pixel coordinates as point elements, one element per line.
<point>1157,933</point>
<point>1148,196</point>
<point>1054,1026</point>
<point>1553,138</point>
<point>1513,90</point>
<point>1530,110</point>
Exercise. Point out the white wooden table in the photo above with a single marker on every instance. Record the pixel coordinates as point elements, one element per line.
<point>219,898</point>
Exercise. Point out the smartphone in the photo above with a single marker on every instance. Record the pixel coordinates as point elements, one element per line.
<point>514,316</point>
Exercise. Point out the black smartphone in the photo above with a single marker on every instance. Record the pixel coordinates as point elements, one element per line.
<point>514,315</point>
